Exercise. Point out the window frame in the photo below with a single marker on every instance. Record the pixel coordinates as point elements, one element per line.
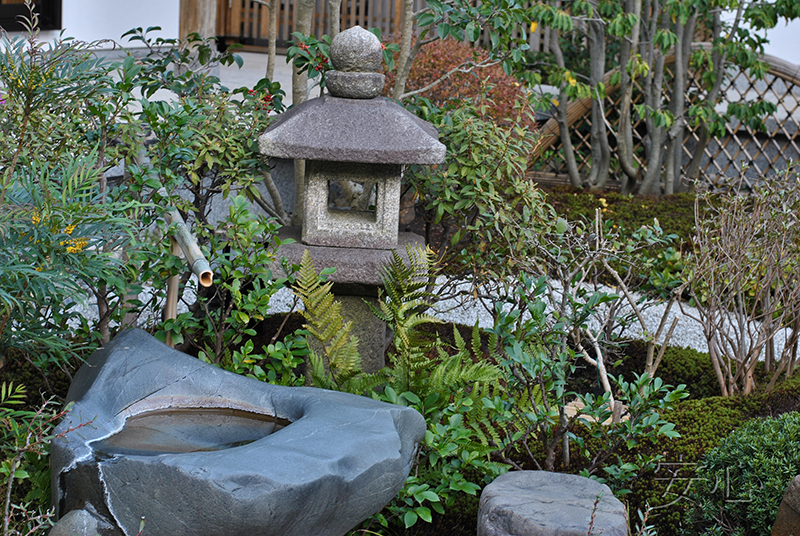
<point>49,15</point>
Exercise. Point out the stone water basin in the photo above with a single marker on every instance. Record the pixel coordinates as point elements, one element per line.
<point>197,429</point>
<point>193,449</point>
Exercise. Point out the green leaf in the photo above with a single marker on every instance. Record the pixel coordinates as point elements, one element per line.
<point>425,19</point>
<point>410,518</point>
<point>424,513</point>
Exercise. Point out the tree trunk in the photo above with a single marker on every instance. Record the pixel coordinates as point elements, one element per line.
<point>601,156</point>
<point>273,37</point>
<point>715,362</point>
<point>561,115</point>
<point>675,135</point>
<point>630,48</point>
<point>405,59</point>
<point>653,96</point>
<point>334,11</point>
<point>305,10</point>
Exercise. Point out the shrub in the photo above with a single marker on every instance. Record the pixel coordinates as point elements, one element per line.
<point>478,207</point>
<point>741,481</point>
<point>745,259</point>
<point>24,475</point>
<point>436,59</point>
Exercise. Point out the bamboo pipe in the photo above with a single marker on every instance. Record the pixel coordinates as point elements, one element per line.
<point>171,306</point>
<point>183,241</point>
<point>194,257</point>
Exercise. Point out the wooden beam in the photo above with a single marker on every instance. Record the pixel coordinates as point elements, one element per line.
<point>198,16</point>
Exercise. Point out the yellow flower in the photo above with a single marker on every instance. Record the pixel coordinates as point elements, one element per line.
<point>69,229</point>
<point>75,245</point>
<point>603,202</point>
<point>38,268</point>
<point>36,217</point>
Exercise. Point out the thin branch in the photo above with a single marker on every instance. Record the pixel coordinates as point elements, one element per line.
<point>451,72</point>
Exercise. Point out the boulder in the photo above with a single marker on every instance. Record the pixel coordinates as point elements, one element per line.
<point>539,503</point>
<point>194,449</point>
<point>787,522</point>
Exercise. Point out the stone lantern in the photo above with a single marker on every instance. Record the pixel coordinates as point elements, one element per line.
<point>353,140</point>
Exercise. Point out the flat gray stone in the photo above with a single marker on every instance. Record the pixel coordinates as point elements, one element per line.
<point>539,503</point>
<point>375,131</point>
<point>198,450</point>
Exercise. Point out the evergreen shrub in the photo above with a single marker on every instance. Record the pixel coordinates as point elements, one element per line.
<point>741,482</point>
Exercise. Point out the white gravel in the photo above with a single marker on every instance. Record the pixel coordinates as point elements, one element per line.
<point>466,310</point>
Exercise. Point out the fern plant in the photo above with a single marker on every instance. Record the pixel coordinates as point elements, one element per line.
<point>447,384</point>
<point>333,358</point>
<point>401,304</point>
<point>420,364</point>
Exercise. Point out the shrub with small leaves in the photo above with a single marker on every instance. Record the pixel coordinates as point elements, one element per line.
<point>741,482</point>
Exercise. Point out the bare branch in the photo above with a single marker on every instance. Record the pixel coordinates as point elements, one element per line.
<point>465,67</point>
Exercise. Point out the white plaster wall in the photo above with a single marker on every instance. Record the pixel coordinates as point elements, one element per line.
<point>95,20</point>
<point>784,42</point>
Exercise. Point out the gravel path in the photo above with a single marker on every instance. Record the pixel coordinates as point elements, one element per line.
<point>688,332</point>
<point>466,311</point>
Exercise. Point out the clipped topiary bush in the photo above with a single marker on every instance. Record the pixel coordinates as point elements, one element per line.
<point>741,481</point>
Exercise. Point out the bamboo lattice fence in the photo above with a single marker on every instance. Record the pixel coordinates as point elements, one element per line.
<point>247,22</point>
<point>742,153</point>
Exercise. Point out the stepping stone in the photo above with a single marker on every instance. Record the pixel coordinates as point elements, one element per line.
<point>539,503</point>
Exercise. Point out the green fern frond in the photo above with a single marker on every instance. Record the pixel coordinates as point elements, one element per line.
<point>319,376</point>
<point>364,384</point>
<point>340,361</point>
<point>476,339</point>
<point>461,346</point>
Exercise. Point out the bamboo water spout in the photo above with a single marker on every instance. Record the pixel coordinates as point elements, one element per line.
<point>188,245</point>
<point>183,241</point>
